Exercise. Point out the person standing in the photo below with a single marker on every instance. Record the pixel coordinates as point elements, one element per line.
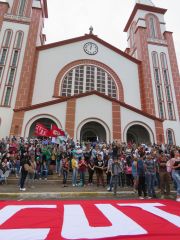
<point>74,164</point>
<point>82,165</point>
<point>134,173</point>
<point>116,169</point>
<point>109,173</point>
<point>150,174</point>
<point>141,177</point>
<point>25,164</point>
<point>90,165</point>
<point>65,167</point>
<point>99,167</point>
<point>164,176</point>
<point>176,172</point>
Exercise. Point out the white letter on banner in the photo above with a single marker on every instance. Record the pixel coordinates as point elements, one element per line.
<point>21,234</point>
<point>76,226</point>
<point>152,208</point>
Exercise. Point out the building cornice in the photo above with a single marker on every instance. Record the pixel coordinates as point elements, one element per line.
<point>3,2</point>
<point>65,99</point>
<point>145,8</point>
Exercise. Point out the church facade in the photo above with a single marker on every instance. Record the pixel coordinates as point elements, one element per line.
<point>86,86</point>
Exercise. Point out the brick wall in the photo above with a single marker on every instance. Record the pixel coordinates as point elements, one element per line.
<point>3,10</point>
<point>174,67</point>
<point>116,121</point>
<point>70,117</point>
<point>159,132</point>
<point>26,83</point>
<point>147,97</point>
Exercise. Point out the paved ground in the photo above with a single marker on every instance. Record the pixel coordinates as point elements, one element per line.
<point>54,189</point>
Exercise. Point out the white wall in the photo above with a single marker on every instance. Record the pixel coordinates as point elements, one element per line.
<point>6,117</point>
<point>51,61</point>
<point>56,111</point>
<point>93,107</point>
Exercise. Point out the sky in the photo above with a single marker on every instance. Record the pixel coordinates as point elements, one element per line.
<point>72,18</point>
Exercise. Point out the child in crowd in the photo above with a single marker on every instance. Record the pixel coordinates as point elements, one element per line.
<point>82,165</point>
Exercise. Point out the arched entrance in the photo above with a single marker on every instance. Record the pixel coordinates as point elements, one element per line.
<point>45,121</point>
<point>138,134</point>
<point>93,131</point>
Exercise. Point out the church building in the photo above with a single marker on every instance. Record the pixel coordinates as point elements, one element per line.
<point>86,86</point>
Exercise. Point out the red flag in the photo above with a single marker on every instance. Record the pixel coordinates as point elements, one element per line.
<point>55,131</point>
<point>41,130</point>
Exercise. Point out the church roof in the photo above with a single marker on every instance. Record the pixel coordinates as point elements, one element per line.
<point>64,99</point>
<point>86,37</point>
<point>146,7</point>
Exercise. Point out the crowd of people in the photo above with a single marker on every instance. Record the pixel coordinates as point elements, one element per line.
<point>141,167</point>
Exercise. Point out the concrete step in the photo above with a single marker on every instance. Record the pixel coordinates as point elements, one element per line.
<point>51,179</point>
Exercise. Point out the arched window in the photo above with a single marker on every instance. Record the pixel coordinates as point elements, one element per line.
<point>18,41</point>
<point>8,90</point>
<point>167,86</point>
<point>4,50</point>
<point>7,38</point>
<point>170,137</point>
<point>158,85</point>
<point>153,26</point>
<point>22,4</point>
<point>86,78</point>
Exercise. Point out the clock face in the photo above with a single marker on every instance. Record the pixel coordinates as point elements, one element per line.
<point>90,48</point>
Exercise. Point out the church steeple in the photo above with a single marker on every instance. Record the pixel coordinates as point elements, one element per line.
<point>145,29</point>
<point>145,2</point>
<point>150,42</point>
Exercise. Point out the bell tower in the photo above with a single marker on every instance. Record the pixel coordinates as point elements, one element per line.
<point>150,42</point>
<point>21,26</point>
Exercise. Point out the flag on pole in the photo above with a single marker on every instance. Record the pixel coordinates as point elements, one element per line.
<point>55,131</point>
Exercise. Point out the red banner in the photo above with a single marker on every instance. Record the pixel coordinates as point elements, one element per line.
<point>55,131</point>
<point>41,130</point>
<point>122,219</point>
